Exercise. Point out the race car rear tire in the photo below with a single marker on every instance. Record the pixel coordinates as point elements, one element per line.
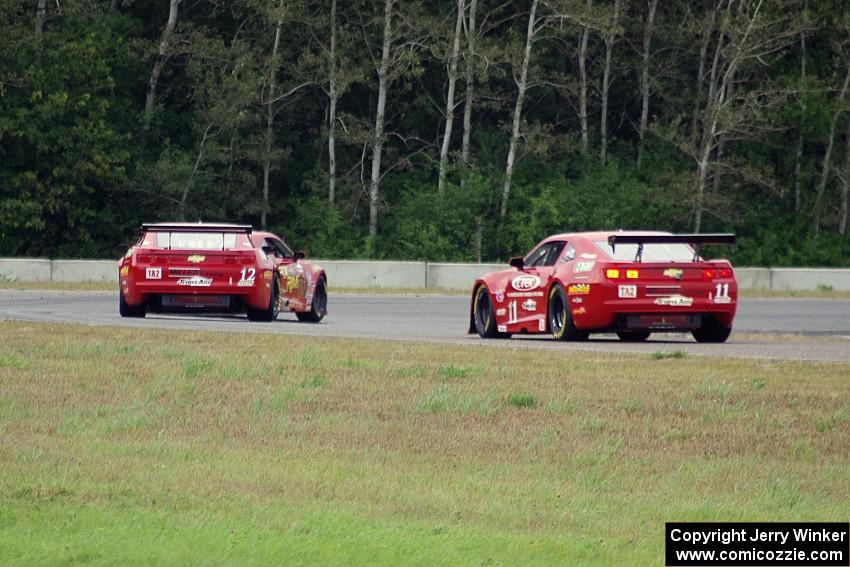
<point>270,313</point>
<point>126,310</point>
<point>319,306</point>
<point>484,317</point>
<point>560,319</point>
<point>633,336</point>
<point>712,331</point>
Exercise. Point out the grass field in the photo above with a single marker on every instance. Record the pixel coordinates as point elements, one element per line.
<point>122,446</point>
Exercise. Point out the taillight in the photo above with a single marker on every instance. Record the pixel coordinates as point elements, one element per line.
<point>724,273</point>
<point>708,274</point>
<point>231,259</point>
<point>247,260</point>
<point>144,258</point>
<point>632,274</point>
<point>612,274</point>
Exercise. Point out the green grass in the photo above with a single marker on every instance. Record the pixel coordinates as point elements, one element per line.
<point>134,446</point>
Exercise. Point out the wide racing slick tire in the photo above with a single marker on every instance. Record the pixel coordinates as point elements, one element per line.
<point>633,336</point>
<point>559,317</point>
<point>270,313</point>
<point>484,316</point>
<point>711,331</point>
<point>319,306</point>
<point>126,310</point>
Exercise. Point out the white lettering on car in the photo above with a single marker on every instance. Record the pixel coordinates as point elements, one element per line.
<point>153,273</point>
<point>525,283</point>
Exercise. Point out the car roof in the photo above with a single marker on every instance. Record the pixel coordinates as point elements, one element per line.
<point>194,225</point>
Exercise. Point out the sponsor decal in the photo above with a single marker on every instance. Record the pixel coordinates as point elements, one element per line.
<point>578,289</point>
<point>125,271</point>
<point>502,328</point>
<point>500,296</point>
<point>541,324</point>
<point>674,273</point>
<point>722,299</point>
<point>500,312</point>
<point>675,301</point>
<point>197,281</point>
<point>153,273</point>
<point>578,299</point>
<point>525,283</point>
<point>525,294</point>
<point>627,291</point>
<point>579,311</point>
<point>587,256</point>
<point>246,277</point>
<point>580,267</point>
<point>529,305</point>
<point>196,258</point>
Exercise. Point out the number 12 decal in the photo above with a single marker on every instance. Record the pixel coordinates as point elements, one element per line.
<point>248,274</point>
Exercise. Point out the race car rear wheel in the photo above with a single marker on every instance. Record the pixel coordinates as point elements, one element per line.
<point>712,331</point>
<point>270,313</point>
<point>126,310</point>
<point>560,320</point>
<point>633,336</point>
<point>319,306</point>
<point>484,316</point>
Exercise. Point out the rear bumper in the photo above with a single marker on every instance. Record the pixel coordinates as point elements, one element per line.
<point>169,295</point>
<point>647,314</point>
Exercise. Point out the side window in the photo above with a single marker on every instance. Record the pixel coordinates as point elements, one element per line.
<point>570,254</point>
<point>268,243</point>
<point>537,257</point>
<point>554,251</point>
<point>546,255</point>
<point>282,249</point>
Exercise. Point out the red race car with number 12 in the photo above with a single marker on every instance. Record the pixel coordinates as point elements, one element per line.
<point>630,283</point>
<point>221,268</point>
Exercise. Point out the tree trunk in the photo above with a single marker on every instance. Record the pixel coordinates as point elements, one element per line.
<point>450,100</point>
<point>470,82</point>
<point>378,139</point>
<point>162,55</point>
<point>703,54</point>
<point>721,140</point>
<point>610,39</point>
<point>332,95</point>
<point>582,71</point>
<point>702,169</point>
<point>184,198</point>
<point>644,77</point>
<point>40,13</point>
<point>827,156</point>
<point>270,114</point>
<point>798,154</point>
<point>845,186</point>
<point>520,97</point>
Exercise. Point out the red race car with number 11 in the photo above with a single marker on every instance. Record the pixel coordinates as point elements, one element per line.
<point>220,268</point>
<point>629,283</point>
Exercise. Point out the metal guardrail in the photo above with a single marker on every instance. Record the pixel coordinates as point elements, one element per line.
<point>390,274</point>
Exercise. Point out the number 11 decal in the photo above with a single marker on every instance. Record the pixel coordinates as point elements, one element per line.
<point>721,293</point>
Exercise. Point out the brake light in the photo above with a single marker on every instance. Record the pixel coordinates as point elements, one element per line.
<point>144,258</point>
<point>612,273</point>
<point>725,273</point>
<point>632,274</point>
<point>248,260</point>
<point>708,274</point>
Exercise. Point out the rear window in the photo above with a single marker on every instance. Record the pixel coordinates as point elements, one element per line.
<point>651,252</point>
<point>196,240</point>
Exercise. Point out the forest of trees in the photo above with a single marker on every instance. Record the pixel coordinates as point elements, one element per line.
<point>458,130</point>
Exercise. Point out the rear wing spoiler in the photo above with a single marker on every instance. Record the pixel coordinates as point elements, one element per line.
<point>231,228</point>
<point>695,240</point>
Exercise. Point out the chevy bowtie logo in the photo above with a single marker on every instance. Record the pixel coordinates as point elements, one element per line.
<point>673,273</point>
<point>196,259</point>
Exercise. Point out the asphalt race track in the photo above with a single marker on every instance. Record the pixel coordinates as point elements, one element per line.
<point>790,329</point>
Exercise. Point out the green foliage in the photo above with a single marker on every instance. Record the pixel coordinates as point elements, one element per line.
<point>79,172</point>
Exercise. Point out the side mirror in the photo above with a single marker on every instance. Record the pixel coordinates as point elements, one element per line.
<point>517,262</point>
<point>298,255</point>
